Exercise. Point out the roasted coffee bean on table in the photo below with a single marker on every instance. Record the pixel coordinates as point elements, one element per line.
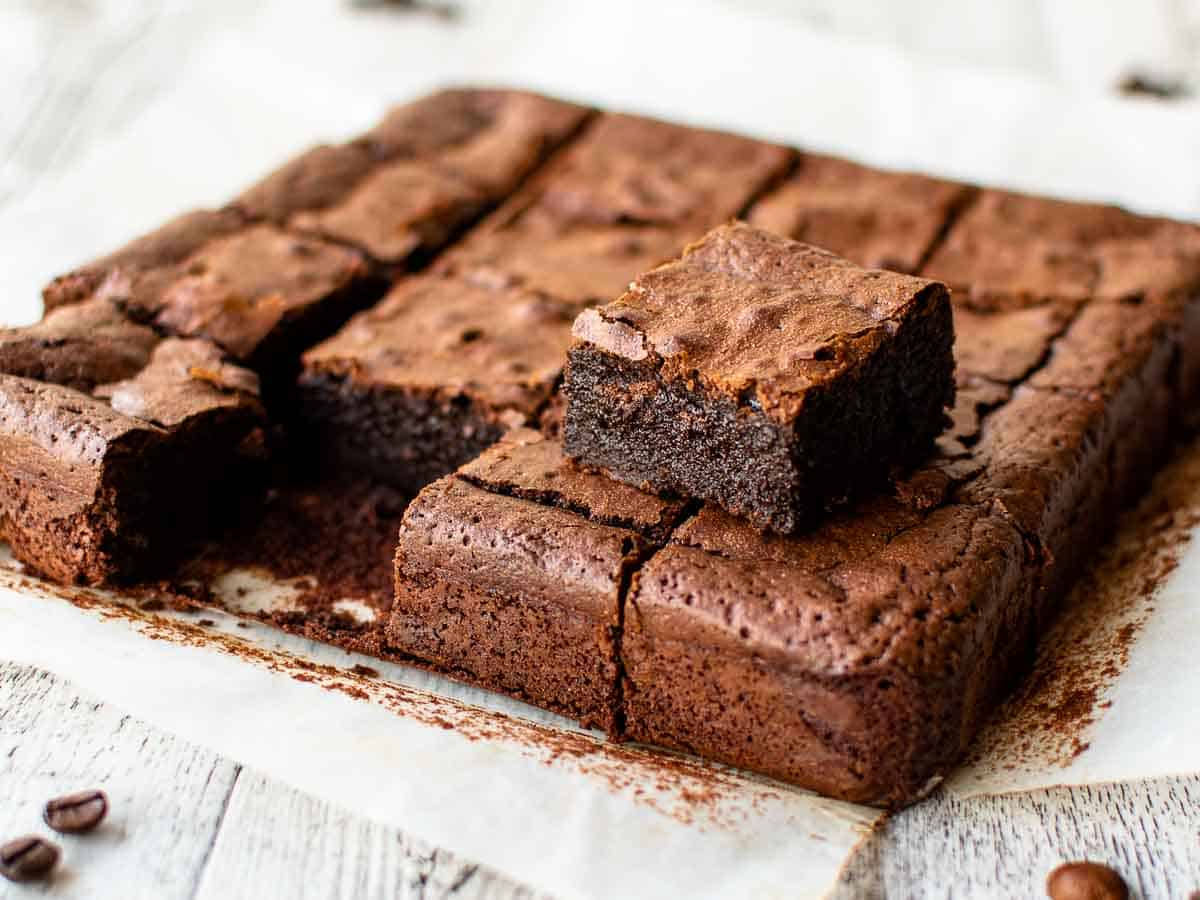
<point>1086,881</point>
<point>27,858</point>
<point>76,813</point>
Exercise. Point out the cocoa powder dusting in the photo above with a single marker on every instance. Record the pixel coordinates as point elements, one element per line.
<point>333,538</point>
<point>1046,721</point>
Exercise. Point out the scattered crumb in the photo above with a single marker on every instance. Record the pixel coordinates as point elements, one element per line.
<point>1046,721</point>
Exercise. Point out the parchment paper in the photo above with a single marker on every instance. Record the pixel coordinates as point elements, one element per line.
<point>588,821</point>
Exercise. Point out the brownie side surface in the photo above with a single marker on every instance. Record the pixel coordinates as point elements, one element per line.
<point>513,595</point>
<point>91,487</point>
<point>846,662</point>
<point>433,375</point>
<point>763,374</point>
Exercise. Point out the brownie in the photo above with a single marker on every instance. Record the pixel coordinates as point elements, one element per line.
<point>261,293</point>
<point>430,377</point>
<point>407,187</point>
<point>510,574</point>
<point>491,139</point>
<point>848,662</point>
<point>78,346</point>
<point>858,657</point>
<point>90,486</point>
<point>875,218</point>
<point>762,374</point>
<point>1014,250</point>
<point>167,245</point>
<point>628,194</point>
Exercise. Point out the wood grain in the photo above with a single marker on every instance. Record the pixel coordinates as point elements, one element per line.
<point>306,848</point>
<point>1005,846</point>
<point>166,797</point>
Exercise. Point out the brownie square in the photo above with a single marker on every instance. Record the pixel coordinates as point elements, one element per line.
<point>79,346</point>
<point>511,572</point>
<point>427,171</point>
<point>873,217</point>
<point>90,481</point>
<point>261,293</point>
<point>625,196</point>
<point>433,375</point>
<point>762,374</point>
<point>851,661</point>
<point>488,139</point>
<point>1013,250</point>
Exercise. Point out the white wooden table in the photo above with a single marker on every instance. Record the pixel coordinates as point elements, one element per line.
<point>187,823</point>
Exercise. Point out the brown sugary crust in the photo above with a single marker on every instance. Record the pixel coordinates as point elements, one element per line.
<point>490,139</point>
<point>815,375</point>
<point>875,218</point>
<point>1014,250</point>
<point>430,168</point>
<point>628,194</point>
<point>274,273</point>
<point>430,377</point>
<point>79,346</point>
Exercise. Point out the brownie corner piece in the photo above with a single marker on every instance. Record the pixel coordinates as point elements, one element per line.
<point>856,661</point>
<point>432,376</point>
<point>90,481</point>
<point>762,374</point>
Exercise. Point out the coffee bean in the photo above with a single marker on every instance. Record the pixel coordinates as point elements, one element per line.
<point>76,813</point>
<point>1086,881</point>
<point>27,858</point>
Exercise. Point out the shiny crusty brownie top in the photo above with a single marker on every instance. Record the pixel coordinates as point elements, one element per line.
<point>1011,249</point>
<point>879,219</point>
<point>435,335</point>
<point>748,311</point>
<point>79,346</point>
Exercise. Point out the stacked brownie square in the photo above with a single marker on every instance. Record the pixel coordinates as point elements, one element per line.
<point>718,510</point>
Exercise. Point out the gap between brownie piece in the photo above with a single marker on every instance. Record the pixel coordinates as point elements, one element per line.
<point>770,377</point>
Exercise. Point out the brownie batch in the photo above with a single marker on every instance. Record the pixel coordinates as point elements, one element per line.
<point>695,483</point>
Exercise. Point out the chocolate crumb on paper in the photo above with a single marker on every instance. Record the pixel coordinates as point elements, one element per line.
<point>1046,722</point>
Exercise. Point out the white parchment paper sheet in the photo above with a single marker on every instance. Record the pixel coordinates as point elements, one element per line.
<point>285,78</point>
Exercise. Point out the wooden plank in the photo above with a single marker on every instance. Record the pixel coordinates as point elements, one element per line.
<point>1006,846</point>
<point>302,847</point>
<point>166,796</point>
